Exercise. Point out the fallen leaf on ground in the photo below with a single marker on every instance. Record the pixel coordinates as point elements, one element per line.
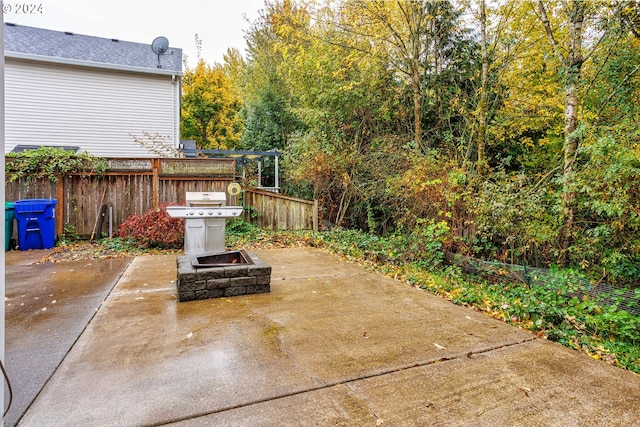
<point>526,390</point>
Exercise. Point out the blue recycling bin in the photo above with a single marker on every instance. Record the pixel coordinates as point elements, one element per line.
<point>36,223</point>
<point>8,224</point>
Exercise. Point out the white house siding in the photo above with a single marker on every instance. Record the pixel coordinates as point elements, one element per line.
<point>94,109</point>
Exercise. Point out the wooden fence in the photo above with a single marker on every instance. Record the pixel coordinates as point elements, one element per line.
<point>135,186</point>
<point>278,212</point>
<point>130,186</point>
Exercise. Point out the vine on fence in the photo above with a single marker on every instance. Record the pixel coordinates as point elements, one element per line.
<point>51,163</point>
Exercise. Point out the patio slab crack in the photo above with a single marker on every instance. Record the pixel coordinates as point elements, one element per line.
<point>349,381</point>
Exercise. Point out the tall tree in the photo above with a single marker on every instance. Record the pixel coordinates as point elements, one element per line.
<point>412,33</point>
<point>483,104</point>
<point>268,98</point>
<point>210,108</point>
<point>571,58</point>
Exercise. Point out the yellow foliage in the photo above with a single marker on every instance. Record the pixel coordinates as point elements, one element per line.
<point>210,107</point>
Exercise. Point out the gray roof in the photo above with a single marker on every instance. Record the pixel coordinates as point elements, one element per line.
<point>69,48</point>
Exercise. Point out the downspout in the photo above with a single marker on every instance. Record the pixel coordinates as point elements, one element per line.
<point>2,196</point>
<point>175,96</point>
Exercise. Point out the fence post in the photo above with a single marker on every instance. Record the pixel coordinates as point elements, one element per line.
<point>315,215</point>
<point>156,182</point>
<point>60,205</point>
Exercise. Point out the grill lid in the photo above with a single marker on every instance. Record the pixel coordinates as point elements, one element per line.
<point>202,199</point>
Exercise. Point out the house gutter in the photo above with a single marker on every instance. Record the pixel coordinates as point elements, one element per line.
<point>101,65</point>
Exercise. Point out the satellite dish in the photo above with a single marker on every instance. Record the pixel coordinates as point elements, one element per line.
<point>234,189</point>
<point>159,46</point>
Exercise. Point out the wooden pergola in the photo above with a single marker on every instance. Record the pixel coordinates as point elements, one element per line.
<point>242,157</point>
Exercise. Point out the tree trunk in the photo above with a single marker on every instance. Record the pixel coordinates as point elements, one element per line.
<point>417,108</point>
<point>570,151</point>
<point>573,68</point>
<point>204,134</point>
<point>484,82</point>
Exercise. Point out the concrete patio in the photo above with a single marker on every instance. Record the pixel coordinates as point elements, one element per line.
<point>331,344</point>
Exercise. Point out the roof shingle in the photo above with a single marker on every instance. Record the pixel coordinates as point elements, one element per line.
<point>77,47</point>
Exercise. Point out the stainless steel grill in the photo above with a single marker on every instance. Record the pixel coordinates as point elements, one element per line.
<point>205,216</point>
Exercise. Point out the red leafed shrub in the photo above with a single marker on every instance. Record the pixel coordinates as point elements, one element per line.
<point>154,229</point>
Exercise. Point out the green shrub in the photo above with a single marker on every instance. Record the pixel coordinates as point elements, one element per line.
<point>69,234</point>
<point>422,245</point>
<point>609,209</point>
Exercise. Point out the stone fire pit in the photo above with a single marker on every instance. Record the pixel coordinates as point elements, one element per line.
<point>222,274</point>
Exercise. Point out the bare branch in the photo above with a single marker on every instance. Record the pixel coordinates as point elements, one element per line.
<point>547,29</point>
<point>157,144</point>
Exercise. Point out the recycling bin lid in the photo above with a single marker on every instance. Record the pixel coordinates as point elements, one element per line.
<point>34,205</point>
